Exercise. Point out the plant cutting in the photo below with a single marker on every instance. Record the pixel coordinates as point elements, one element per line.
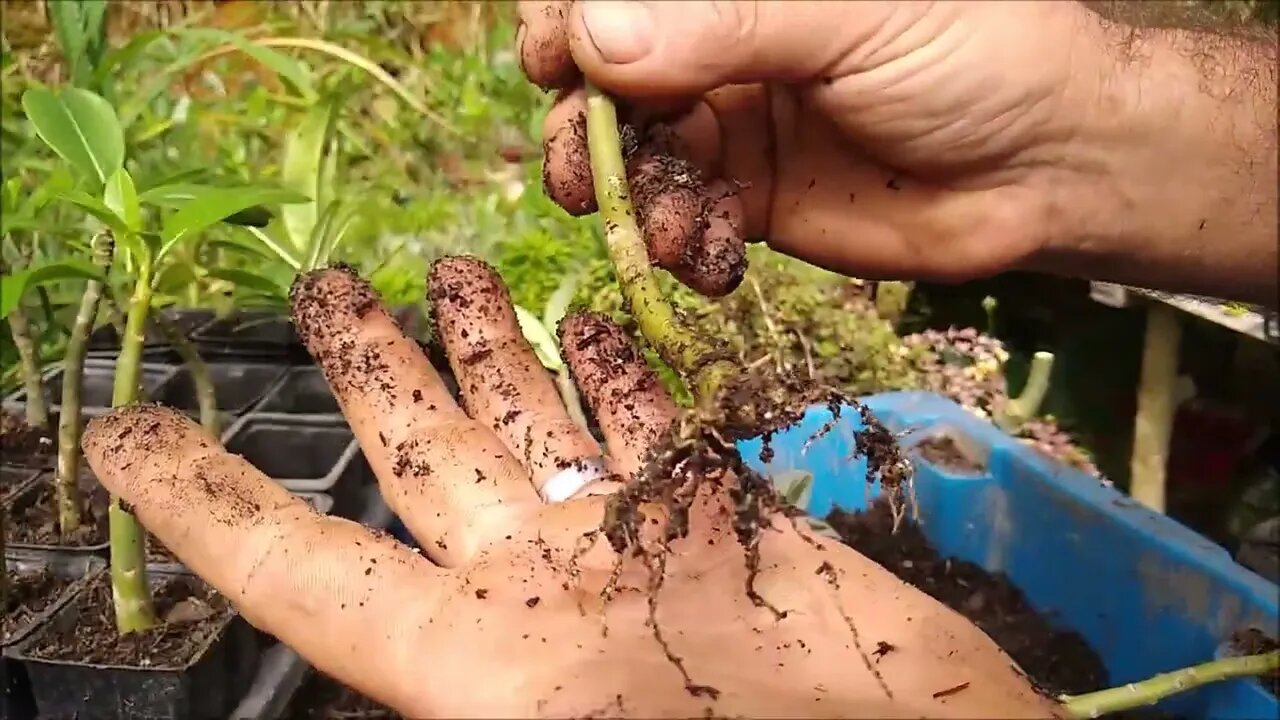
<point>709,375</point>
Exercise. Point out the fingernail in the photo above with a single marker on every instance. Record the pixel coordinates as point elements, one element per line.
<point>621,30</point>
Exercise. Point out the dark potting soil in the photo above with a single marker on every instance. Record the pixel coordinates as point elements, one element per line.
<point>1252,641</point>
<point>1057,660</point>
<point>21,444</point>
<point>36,522</point>
<point>945,453</point>
<point>30,592</point>
<point>323,698</point>
<point>189,612</point>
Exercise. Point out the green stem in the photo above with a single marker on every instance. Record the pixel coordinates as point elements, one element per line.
<point>1027,405</point>
<point>676,343</point>
<point>4,566</point>
<point>1157,403</point>
<point>67,470</point>
<point>37,407</point>
<point>206,397</point>
<point>572,400</point>
<point>134,610</point>
<point>1152,691</point>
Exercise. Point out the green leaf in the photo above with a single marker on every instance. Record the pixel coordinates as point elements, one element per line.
<point>122,199</point>
<point>558,303</point>
<point>175,278</point>
<point>256,216</point>
<point>15,285</point>
<point>96,208</point>
<point>80,127</point>
<point>81,31</point>
<point>180,176</point>
<point>293,72</point>
<point>214,205</point>
<point>301,169</point>
<point>248,281</point>
<point>544,345</point>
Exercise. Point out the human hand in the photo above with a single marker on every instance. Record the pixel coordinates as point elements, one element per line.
<point>941,141</point>
<point>507,614</point>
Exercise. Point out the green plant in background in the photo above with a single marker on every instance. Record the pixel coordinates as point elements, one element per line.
<point>82,129</point>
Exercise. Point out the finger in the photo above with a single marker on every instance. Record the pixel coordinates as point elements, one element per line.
<point>566,163</point>
<point>450,479</point>
<point>347,600</point>
<point>624,393</point>
<point>504,385</point>
<point>542,43</point>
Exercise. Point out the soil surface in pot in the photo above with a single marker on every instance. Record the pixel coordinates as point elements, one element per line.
<point>36,522</point>
<point>946,454</point>
<point>189,611</point>
<point>323,698</point>
<point>30,592</point>
<point>1057,660</point>
<point>21,444</point>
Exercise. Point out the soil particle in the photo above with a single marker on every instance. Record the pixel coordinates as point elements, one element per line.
<point>30,592</point>
<point>533,601</point>
<point>1058,661</point>
<point>946,454</point>
<point>190,613</point>
<point>21,444</point>
<point>951,691</point>
<point>33,518</point>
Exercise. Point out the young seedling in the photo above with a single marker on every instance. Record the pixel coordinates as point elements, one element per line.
<point>67,469</point>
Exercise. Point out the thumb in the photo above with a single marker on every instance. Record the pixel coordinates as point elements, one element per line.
<point>639,49</point>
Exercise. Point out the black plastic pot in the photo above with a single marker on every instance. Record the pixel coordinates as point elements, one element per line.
<point>251,334</point>
<point>19,704</point>
<point>237,386</point>
<point>89,488</point>
<point>304,456</point>
<point>95,391</point>
<point>303,392</point>
<point>209,686</point>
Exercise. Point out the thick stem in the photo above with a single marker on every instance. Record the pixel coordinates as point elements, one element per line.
<point>572,400</point>
<point>67,470</point>
<point>129,586</point>
<point>892,298</point>
<point>691,356</point>
<point>1157,402</point>
<point>29,367</point>
<point>1152,691</point>
<point>1027,405</point>
<point>206,397</point>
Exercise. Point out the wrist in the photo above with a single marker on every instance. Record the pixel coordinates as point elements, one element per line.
<point>1168,177</point>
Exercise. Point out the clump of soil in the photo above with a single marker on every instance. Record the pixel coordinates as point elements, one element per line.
<point>1252,641</point>
<point>190,612</point>
<point>1059,661</point>
<point>30,592</point>
<point>943,451</point>
<point>323,698</point>
<point>21,444</point>
<point>35,520</point>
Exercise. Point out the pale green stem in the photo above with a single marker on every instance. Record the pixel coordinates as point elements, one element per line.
<point>1157,402</point>
<point>674,341</point>
<point>67,470</point>
<point>201,380</point>
<point>1152,691</point>
<point>1027,405</point>
<point>569,394</point>
<point>134,610</point>
<point>892,298</point>
<point>29,367</point>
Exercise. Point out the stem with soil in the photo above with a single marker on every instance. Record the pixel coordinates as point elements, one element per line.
<point>692,356</point>
<point>1152,691</point>
<point>1024,407</point>
<point>29,367</point>
<point>206,398</point>
<point>67,470</point>
<point>132,594</point>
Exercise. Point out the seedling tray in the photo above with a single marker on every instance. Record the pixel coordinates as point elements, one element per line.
<point>96,387</point>
<point>303,392</point>
<point>1147,593</point>
<point>90,489</point>
<point>237,386</point>
<point>14,479</point>
<point>252,334</point>
<point>303,456</point>
<point>209,685</point>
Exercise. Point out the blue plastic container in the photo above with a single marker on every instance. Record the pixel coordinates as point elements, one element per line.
<point>1149,594</point>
